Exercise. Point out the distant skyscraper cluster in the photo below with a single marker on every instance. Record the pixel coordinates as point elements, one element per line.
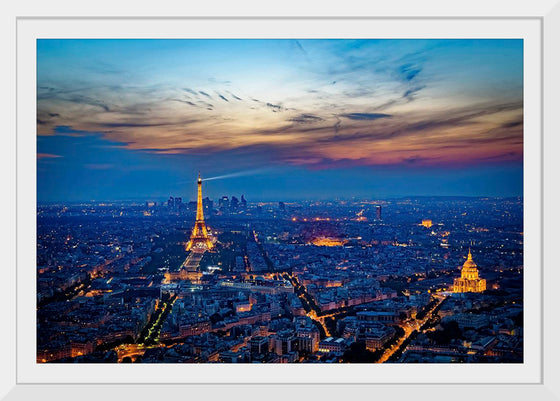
<point>232,205</point>
<point>175,203</point>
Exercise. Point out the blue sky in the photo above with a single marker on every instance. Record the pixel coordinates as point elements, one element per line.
<point>302,119</point>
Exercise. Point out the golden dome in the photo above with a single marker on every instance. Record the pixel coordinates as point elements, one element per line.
<point>469,281</point>
<point>469,263</point>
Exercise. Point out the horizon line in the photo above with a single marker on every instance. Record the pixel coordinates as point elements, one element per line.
<point>156,199</point>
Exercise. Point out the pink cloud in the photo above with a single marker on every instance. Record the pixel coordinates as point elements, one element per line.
<point>46,156</point>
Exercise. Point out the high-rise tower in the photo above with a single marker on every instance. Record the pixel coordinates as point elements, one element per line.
<point>199,241</point>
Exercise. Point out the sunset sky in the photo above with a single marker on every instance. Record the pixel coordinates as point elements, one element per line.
<point>297,119</point>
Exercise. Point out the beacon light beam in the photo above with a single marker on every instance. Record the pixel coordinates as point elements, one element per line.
<point>238,174</point>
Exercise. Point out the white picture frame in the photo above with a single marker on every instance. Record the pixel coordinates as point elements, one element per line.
<point>250,381</point>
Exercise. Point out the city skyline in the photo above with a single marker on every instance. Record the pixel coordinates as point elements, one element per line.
<point>137,119</point>
<point>301,282</point>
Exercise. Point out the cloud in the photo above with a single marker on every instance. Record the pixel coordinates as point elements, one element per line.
<point>140,125</point>
<point>337,125</point>
<point>417,159</point>
<point>305,119</point>
<point>508,156</point>
<point>409,94</point>
<point>409,71</point>
<point>396,138</point>
<point>333,103</point>
<point>274,107</point>
<point>365,116</point>
<point>301,50</point>
<point>234,96</point>
<point>412,139</point>
<point>350,137</point>
<point>512,124</point>
<point>66,130</point>
<point>192,92</point>
<point>76,98</point>
<point>184,101</point>
<point>47,156</point>
<point>300,47</point>
<point>387,105</point>
<point>459,117</point>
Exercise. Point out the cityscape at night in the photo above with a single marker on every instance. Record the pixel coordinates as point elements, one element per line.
<point>280,201</point>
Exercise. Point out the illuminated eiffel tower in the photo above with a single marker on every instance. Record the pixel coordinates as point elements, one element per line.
<point>199,241</point>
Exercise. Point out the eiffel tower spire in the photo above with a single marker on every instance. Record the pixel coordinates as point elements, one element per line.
<point>199,240</point>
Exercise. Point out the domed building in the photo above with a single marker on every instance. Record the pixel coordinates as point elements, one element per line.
<point>469,280</point>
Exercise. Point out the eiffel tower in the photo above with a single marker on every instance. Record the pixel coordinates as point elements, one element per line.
<point>199,241</point>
